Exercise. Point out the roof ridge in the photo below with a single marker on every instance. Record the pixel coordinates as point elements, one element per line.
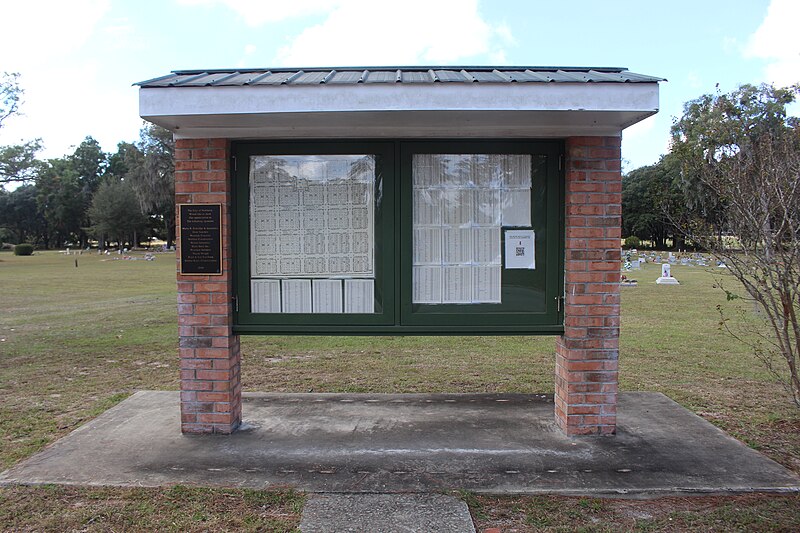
<point>414,68</point>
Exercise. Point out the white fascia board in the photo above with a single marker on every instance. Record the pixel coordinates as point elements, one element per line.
<point>398,97</point>
<point>514,109</point>
<point>389,124</point>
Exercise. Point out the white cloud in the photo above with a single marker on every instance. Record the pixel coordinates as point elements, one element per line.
<point>777,41</point>
<point>62,114</point>
<point>65,97</point>
<point>258,12</point>
<point>362,32</point>
<point>37,31</point>
<point>247,53</point>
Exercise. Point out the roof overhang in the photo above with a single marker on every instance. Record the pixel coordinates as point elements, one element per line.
<point>399,110</point>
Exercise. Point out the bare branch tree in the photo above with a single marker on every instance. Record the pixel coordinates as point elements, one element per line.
<point>745,158</point>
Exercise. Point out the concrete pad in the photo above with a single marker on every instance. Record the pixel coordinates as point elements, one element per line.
<point>383,443</point>
<point>385,513</point>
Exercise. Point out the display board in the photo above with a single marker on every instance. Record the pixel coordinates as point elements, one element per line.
<point>312,224</point>
<point>398,237</point>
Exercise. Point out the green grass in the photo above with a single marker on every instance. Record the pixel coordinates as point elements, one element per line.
<point>74,341</point>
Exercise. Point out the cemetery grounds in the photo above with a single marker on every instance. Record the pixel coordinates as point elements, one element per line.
<point>75,340</point>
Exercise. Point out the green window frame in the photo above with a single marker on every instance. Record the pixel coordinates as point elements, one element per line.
<point>531,298</point>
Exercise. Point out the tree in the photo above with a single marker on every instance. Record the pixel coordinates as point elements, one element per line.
<point>115,213</point>
<point>740,163</point>
<point>646,191</point>
<point>10,95</point>
<point>17,162</point>
<point>20,216</point>
<point>60,201</point>
<point>151,171</point>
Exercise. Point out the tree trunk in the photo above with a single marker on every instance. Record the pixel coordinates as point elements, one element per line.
<point>169,223</point>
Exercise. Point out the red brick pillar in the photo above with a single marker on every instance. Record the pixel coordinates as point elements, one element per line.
<point>211,393</point>
<point>586,355</point>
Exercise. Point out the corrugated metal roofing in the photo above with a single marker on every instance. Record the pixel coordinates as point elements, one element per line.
<point>369,75</point>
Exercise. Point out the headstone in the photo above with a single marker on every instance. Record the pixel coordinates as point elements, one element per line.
<point>671,258</point>
<point>666,276</point>
<point>636,265</point>
<point>684,261</point>
<point>658,259</point>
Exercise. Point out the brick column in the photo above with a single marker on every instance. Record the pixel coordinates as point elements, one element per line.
<point>586,382</point>
<point>209,351</point>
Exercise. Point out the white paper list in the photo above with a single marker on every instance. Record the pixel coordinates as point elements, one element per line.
<point>486,284</point>
<point>457,285</point>
<point>265,296</point>
<point>427,245</point>
<point>486,245</point>
<point>427,286</point>
<point>456,245</point>
<point>359,296</point>
<point>296,295</point>
<point>327,295</point>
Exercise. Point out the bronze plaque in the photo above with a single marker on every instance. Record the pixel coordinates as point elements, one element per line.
<point>200,231</point>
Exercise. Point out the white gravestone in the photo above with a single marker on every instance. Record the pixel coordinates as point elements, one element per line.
<point>666,276</point>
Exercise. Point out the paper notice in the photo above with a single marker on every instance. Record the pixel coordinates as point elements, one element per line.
<point>427,246</point>
<point>457,207</point>
<point>486,245</point>
<point>427,206</point>
<point>520,252</point>
<point>457,284</point>
<point>486,284</point>
<point>265,296</point>
<point>427,285</point>
<point>359,296</point>
<point>517,207</point>
<point>296,295</point>
<point>487,207</point>
<point>327,295</point>
<point>456,245</point>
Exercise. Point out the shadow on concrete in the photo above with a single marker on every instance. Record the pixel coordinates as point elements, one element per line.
<point>385,443</point>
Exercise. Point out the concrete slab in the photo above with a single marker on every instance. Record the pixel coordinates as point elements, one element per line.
<point>385,513</point>
<point>384,443</point>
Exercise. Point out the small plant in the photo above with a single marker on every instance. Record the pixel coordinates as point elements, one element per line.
<point>23,249</point>
<point>632,241</point>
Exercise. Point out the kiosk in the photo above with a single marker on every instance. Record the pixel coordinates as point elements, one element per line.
<point>399,201</point>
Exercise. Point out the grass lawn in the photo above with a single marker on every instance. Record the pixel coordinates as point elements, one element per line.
<point>76,340</point>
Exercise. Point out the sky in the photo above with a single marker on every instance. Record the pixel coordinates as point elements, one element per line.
<point>79,59</point>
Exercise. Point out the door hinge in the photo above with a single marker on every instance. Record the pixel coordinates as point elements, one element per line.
<point>561,162</point>
<point>235,164</point>
<point>236,303</point>
<point>559,300</point>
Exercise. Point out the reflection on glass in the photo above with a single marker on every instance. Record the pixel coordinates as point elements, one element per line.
<point>312,227</point>
<point>460,202</point>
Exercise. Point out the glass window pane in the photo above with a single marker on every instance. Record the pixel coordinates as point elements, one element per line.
<point>460,204</point>
<point>312,227</point>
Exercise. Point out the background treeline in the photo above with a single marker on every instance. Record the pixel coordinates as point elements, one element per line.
<point>93,197</point>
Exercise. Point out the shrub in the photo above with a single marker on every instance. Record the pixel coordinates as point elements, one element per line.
<point>632,242</point>
<point>23,249</point>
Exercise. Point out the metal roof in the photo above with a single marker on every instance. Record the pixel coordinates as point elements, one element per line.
<point>394,75</point>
